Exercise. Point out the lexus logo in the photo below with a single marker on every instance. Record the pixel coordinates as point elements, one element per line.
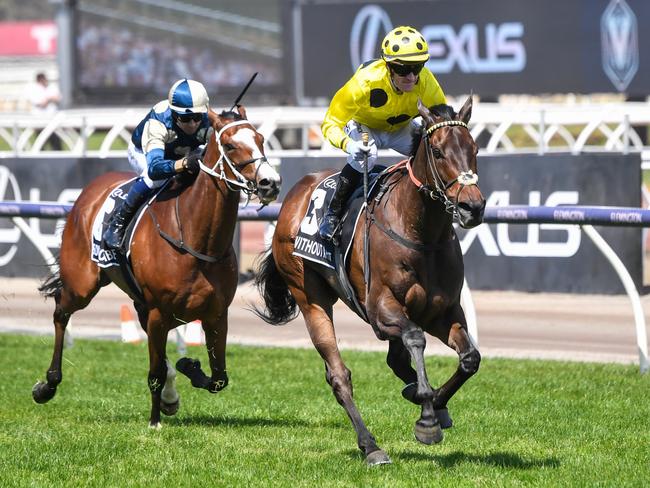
<point>369,28</point>
<point>620,48</point>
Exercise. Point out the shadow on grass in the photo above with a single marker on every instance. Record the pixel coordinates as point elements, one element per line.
<point>500,459</point>
<point>222,421</point>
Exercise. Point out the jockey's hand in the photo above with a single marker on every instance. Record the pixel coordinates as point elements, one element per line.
<point>357,149</point>
<point>189,163</point>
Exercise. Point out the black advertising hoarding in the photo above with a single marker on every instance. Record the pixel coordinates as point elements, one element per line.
<point>42,179</point>
<point>489,47</point>
<point>552,257</point>
<point>525,257</point>
<point>539,257</point>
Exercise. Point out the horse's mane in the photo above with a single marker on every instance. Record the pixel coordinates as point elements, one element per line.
<point>230,114</point>
<point>445,111</point>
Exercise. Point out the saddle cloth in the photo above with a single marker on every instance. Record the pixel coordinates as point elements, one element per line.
<point>309,245</point>
<point>103,256</point>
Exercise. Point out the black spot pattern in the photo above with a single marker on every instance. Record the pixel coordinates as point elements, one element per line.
<point>398,119</point>
<point>378,97</point>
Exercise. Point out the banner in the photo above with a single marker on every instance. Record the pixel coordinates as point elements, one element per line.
<point>538,257</point>
<point>524,257</point>
<point>28,38</point>
<point>27,247</point>
<point>489,47</point>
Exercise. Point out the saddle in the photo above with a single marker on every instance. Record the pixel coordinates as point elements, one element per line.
<point>106,257</point>
<point>332,261</point>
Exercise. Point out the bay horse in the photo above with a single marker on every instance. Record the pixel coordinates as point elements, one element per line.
<point>416,272</point>
<point>193,279</point>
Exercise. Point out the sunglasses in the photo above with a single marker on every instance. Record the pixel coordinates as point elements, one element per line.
<point>405,69</point>
<point>185,118</point>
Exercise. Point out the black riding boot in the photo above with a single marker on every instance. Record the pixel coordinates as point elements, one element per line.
<point>347,183</point>
<point>121,218</point>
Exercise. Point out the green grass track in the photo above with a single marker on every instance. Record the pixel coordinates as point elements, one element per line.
<point>517,423</point>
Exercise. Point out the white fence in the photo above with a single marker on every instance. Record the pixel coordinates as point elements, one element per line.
<point>499,128</point>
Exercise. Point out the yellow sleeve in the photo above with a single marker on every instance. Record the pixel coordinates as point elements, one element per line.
<point>343,107</point>
<point>433,94</point>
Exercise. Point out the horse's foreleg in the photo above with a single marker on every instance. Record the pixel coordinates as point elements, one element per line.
<point>157,341</point>
<point>469,361</point>
<point>391,318</point>
<point>216,334</point>
<point>399,360</point>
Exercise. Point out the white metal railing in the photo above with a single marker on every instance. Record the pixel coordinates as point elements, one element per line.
<point>499,128</point>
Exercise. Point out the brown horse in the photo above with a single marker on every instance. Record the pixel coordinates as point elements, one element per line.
<point>195,279</point>
<point>416,274</point>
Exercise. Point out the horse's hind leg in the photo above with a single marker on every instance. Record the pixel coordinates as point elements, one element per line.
<point>68,300</point>
<point>321,330</point>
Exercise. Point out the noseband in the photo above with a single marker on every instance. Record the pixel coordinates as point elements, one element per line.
<point>439,191</point>
<point>242,183</point>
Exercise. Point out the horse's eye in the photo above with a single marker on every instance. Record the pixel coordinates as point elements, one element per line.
<point>229,147</point>
<point>437,153</point>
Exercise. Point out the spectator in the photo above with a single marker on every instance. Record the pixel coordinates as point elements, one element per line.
<point>44,98</point>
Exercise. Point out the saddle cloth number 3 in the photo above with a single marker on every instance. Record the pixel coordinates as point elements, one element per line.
<point>309,225</point>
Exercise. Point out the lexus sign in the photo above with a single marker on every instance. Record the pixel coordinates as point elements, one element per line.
<point>494,47</point>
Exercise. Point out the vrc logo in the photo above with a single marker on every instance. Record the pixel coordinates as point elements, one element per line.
<point>620,47</point>
<point>449,48</point>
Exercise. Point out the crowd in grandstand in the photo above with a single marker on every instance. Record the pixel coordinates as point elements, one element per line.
<point>111,57</point>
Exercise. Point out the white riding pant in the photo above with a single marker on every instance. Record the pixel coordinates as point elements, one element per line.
<point>138,161</point>
<point>400,141</point>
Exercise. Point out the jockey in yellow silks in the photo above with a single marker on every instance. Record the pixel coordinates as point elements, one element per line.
<point>380,99</point>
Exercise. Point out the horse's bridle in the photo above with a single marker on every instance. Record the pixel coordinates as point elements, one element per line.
<point>464,178</point>
<point>241,183</point>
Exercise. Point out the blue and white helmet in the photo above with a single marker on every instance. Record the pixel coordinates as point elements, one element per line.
<point>188,96</point>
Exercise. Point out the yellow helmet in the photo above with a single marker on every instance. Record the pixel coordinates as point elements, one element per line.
<point>405,44</point>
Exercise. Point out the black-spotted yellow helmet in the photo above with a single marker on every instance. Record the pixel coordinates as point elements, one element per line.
<point>405,44</point>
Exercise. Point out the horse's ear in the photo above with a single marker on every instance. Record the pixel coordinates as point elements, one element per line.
<point>242,111</point>
<point>425,113</point>
<point>466,111</point>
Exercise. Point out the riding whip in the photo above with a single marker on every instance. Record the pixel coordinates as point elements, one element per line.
<point>366,269</point>
<point>243,92</point>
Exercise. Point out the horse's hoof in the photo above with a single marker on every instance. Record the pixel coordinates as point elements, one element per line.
<point>443,417</point>
<point>375,458</point>
<point>170,409</point>
<point>156,426</point>
<point>42,392</point>
<point>428,435</point>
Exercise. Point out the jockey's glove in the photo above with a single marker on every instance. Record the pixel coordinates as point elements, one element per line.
<point>189,163</point>
<point>357,149</point>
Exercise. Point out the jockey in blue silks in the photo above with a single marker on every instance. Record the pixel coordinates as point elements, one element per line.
<point>163,144</point>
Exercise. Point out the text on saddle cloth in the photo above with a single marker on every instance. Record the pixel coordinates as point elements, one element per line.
<point>103,256</point>
<point>309,245</point>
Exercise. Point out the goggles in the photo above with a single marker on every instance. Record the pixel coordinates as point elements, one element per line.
<point>185,118</point>
<point>405,69</point>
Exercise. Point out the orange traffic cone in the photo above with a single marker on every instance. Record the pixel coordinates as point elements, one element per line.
<point>194,335</point>
<point>130,329</point>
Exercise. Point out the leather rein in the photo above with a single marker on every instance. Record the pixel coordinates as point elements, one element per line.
<point>240,183</point>
<point>438,192</point>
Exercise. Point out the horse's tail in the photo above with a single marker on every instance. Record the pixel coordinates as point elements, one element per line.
<point>279,305</point>
<point>51,286</point>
